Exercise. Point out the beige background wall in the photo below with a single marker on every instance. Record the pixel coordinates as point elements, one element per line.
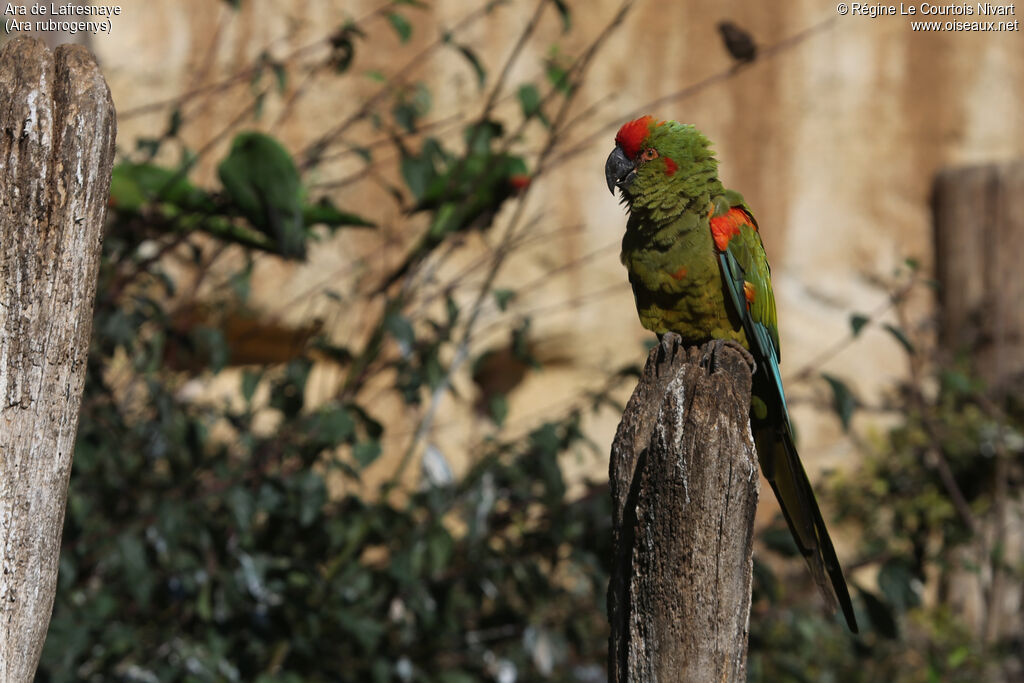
<point>834,142</point>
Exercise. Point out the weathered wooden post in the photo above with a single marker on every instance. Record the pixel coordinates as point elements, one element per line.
<point>978,214</point>
<point>684,480</point>
<point>57,128</point>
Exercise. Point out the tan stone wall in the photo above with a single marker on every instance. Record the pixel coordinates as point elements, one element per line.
<point>833,141</point>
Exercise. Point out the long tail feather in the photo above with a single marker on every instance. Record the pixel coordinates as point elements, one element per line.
<point>774,436</point>
<point>785,473</point>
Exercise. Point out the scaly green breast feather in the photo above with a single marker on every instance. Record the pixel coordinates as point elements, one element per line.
<point>677,281</point>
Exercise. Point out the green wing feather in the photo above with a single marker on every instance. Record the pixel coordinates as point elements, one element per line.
<point>745,261</point>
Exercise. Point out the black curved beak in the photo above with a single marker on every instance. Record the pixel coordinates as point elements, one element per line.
<point>619,171</point>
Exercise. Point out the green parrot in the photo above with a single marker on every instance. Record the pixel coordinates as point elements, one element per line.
<point>698,268</point>
<point>463,193</point>
<point>260,178</point>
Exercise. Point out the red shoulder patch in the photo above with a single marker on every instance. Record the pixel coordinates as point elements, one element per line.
<point>728,224</point>
<point>632,135</point>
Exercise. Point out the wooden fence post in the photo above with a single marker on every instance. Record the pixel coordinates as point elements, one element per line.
<point>684,481</point>
<point>57,128</point>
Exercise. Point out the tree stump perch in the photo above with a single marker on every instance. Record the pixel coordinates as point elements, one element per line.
<point>684,483</point>
<point>57,128</point>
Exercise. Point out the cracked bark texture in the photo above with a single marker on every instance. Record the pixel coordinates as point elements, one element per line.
<point>57,128</point>
<point>684,483</point>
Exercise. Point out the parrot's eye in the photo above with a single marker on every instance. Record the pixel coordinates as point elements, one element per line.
<point>649,153</point>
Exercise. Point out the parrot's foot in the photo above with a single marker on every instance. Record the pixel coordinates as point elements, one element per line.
<point>712,349</point>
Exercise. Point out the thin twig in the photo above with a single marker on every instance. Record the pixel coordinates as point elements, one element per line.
<point>462,348</point>
<point>313,150</point>
<point>363,362</point>
<point>810,368</point>
<point>246,73</point>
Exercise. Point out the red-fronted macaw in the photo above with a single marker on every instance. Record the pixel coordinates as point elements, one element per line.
<point>698,268</point>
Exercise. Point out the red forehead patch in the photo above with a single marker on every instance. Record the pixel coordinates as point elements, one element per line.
<point>632,135</point>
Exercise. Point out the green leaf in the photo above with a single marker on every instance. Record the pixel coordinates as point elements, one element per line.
<point>421,98</point>
<point>333,425</point>
<point>502,297</point>
<point>261,99</point>
<point>545,445</point>
<point>497,407</point>
<point>857,323</point>
<point>250,380</point>
<point>288,393</point>
<point>149,146</point>
<point>336,352</point>
<point>420,171</point>
<point>311,494</point>
<point>474,61</point>
<point>213,347</point>
<point>401,25</point>
<point>366,630</point>
<point>241,281</point>
<point>439,549</point>
<point>174,123</point>
<point>879,615</point>
<point>479,136</point>
<point>400,328</point>
<point>897,584</point>
<point>530,101</point>
<point>452,308</point>
<point>565,13</point>
<point>365,153</point>
<point>405,116</point>
<point>373,428</point>
<point>365,452</point>
<point>900,337</point>
<point>521,344</point>
<point>413,104</point>
<point>240,503</point>
<point>843,400</point>
<point>556,71</point>
<point>280,75</point>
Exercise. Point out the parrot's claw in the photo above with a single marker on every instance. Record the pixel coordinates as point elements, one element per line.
<point>668,342</point>
<point>715,347</point>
